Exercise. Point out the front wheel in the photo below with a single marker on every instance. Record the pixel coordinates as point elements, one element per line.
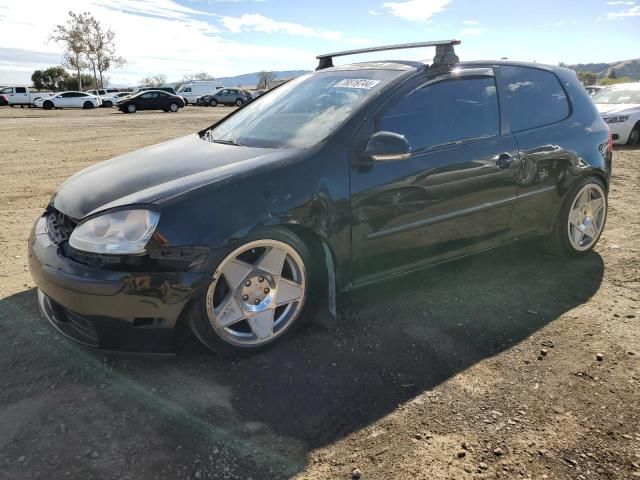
<point>48,105</point>
<point>256,294</point>
<point>131,108</point>
<point>173,107</point>
<point>213,103</point>
<point>107,104</point>
<point>634,136</point>
<point>580,221</point>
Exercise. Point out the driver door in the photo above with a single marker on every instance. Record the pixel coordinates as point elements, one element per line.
<point>454,195</point>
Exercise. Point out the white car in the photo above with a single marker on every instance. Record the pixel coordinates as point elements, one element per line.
<point>69,100</point>
<point>619,106</point>
<point>111,99</point>
<point>21,95</point>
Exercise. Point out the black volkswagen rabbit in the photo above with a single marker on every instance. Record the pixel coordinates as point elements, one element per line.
<point>337,179</point>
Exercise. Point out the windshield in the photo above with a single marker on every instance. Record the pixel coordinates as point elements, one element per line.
<point>303,111</point>
<point>618,95</point>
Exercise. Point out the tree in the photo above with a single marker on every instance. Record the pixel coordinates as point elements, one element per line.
<point>53,78</point>
<point>101,50</point>
<point>264,79</point>
<point>71,83</point>
<point>190,77</point>
<point>612,73</point>
<point>587,78</point>
<point>73,36</point>
<point>154,81</point>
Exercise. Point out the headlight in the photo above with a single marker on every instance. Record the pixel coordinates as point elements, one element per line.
<point>620,119</point>
<point>119,232</point>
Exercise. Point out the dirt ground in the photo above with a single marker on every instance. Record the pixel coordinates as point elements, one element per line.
<point>438,375</point>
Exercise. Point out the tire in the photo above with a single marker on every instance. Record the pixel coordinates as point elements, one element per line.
<point>107,104</point>
<point>173,107</point>
<point>131,108</point>
<point>634,136</point>
<point>48,105</point>
<point>87,105</point>
<point>566,239</point>
<point>213,102</point>
<point>239,102</point>
<point>254,328</point>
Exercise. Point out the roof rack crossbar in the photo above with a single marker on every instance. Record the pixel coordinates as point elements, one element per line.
<point>445,55</point>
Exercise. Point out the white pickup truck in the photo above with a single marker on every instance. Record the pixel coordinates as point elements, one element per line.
<point>19,95</point>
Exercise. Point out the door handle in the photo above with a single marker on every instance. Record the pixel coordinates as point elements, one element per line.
<point>504,161</point>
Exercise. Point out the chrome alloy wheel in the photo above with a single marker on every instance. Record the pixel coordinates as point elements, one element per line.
<point>586,217</point>
<point>257,292</point>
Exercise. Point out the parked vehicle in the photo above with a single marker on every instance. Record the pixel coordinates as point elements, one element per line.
<point>4,100</point>
<point>103,91</point>
<point>192,90</point>
<point>169,90</point>
<point>593,89</point>
<point>226,96</point>
<point>150,100</point>
<point>620,108</point>
<point>334,180</point>
<point>23,96</point>
<point>70,99</point>
<point>110,100</point>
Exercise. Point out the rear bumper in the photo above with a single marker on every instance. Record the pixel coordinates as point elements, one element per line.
<point>112,310</point>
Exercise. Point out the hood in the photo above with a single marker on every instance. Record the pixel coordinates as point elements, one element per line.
<point>618,108</point>
<point>155,172</point>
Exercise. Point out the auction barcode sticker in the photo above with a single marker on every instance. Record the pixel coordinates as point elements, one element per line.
<point>357,83</point>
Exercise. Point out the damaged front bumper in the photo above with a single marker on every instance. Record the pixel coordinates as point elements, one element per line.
<point>112,310</point>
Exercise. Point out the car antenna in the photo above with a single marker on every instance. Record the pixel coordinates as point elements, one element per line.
<point>445,54</point>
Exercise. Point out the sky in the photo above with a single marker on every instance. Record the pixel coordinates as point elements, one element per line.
<point>231,37</point>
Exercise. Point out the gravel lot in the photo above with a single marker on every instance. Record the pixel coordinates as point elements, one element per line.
<point>482,368</point>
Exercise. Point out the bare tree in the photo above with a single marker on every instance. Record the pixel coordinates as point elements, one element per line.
<point>101,49</point>
<point>264,79</point>
<point>154,81</point>
<point>72,36</point>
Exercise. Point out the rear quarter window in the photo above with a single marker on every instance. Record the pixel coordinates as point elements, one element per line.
<point>532,98</point>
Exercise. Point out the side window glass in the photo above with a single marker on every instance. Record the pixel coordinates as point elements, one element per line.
<point>67,95</point>
<point>532,98</point>
<point>7,90</point>
<point>21,90</point>
<point>445,112</point>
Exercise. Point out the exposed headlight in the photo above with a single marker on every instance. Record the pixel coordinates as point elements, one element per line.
<point>620,119</point>
<point>119,232</point>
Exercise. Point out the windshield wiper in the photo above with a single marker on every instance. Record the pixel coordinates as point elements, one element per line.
<point>229,142</point>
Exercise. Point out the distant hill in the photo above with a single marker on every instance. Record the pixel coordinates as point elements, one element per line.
<point>252,78</point>
<point>626,68</point>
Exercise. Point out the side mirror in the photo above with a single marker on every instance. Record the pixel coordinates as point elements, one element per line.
<point>386,146</point>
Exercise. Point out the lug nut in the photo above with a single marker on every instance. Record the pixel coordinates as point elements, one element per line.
<point>247,283</point>
<point>266,290</point>
<point>245,297</point>
<point>261,279</point>
<point>257,301</point>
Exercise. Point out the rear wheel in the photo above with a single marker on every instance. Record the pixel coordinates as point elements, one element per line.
<point>634,136</point>
<point>256,296</point>
<point>107,104</point>
<point>239,102</point>
<point>580,221</point>
<point>48,105</point>
<point>87,105</point>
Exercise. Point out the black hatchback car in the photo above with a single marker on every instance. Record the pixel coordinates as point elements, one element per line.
<point>337,179</point>
<point>150,100</point>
